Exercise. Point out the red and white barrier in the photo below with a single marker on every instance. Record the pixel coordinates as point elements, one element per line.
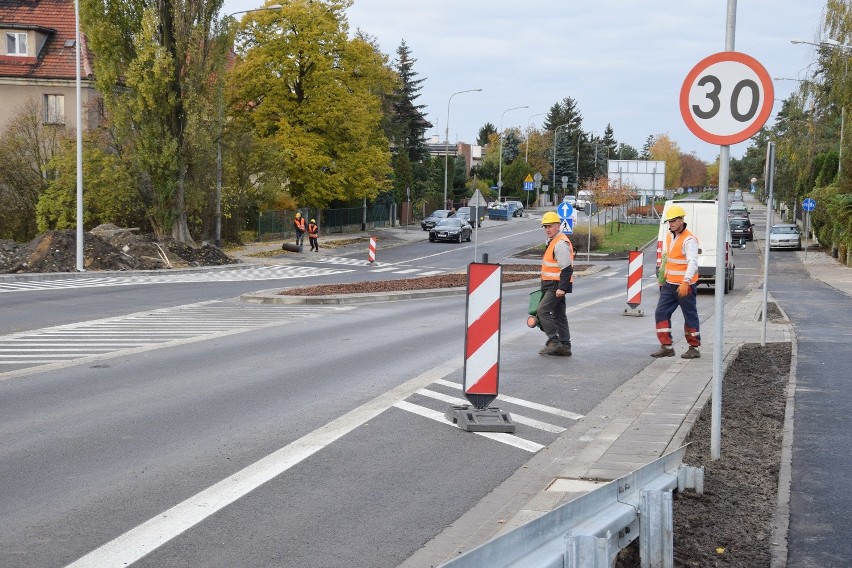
<point>371,256</point>
<point>482,339</point>
<point>634,282</point>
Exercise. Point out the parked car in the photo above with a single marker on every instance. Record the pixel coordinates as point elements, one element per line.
<point>785,235</point>
<point>451,229</point>
<point>433,218</point>
<point>466,212</point>
<point>741,228</point>
<point>517,208</point>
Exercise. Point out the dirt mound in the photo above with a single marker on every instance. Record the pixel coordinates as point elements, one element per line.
<point>106,247</point>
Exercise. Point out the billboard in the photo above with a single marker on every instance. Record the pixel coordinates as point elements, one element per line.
<point>648,177</point>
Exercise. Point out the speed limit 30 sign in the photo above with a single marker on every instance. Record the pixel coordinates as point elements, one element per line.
<point>726,98</point>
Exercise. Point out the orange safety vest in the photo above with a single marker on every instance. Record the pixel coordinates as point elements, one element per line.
<point>300,223</point>
<point>676,259</point>
<point>313,230</point>
<point>550,269</point>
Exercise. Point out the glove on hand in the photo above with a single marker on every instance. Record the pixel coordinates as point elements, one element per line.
<point>684,289</point>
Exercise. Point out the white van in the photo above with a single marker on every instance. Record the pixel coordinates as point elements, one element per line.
<point>702,218</point>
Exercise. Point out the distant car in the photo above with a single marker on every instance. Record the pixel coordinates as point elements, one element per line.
<point>452,229</point>
<point>737,196</point>
<point>432,220</point>
<point>737,210</point>
<point>741,228</point>
<point>464,213</point>
<point>786,236</point>
<point>517,208</point>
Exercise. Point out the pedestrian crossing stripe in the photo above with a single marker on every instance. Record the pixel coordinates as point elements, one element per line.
<point>144,330</point>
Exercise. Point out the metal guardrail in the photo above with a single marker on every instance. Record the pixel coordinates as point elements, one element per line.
<point>589,531</point>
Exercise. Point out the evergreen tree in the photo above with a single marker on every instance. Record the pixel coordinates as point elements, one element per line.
<point>487,130</point>
<point>565,112</point>
<point>408,123</point>
<point>627,152</point>
<point>646,149</point>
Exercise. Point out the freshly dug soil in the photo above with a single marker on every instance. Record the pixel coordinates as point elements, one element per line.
<point>106,247</point>
<point>511,273</point>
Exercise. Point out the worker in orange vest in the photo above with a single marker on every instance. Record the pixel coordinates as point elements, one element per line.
<point>557,279</point>
<point>679,287</point>
<point>313,235</point>
<point>299,223</point>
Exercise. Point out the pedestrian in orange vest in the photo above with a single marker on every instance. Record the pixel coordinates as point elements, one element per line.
<point>557,279</point>
<point>313,235</point>
<point>299,224</point>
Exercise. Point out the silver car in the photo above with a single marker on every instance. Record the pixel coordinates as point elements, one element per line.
<point>785,236</point>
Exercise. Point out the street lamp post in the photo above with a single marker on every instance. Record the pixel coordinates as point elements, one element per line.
<point>527,154</point>
<point>555,137</point>
<point>500,167</point>
<point>447,137</point>
<point>221,111</point>
<point>80,267</point>
<point>842,46</point>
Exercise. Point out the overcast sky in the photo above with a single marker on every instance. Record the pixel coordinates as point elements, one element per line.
<point>623,61</point>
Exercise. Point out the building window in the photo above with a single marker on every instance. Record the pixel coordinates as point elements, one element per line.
<point>16,43</point>
<point>54,109</point>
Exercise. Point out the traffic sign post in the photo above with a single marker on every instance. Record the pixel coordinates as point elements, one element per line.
<point>482,353</point>
<point>808,205</point>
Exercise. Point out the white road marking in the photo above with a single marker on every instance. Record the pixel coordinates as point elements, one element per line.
<point>509,439</point>
<point>146,537</point>
<point>516,417</point>
<point>522,402</point>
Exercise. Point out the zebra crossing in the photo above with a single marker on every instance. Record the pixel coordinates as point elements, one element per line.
<point>538,426</point>
<point>255,273</point>
<point>204,320</point>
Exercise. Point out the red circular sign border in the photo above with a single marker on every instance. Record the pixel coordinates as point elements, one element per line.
<point>762,117</point>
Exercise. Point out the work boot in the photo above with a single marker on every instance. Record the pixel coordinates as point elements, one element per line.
<point>664,351</point>
<point>557,349</point>
<point>567,346</point>
<point>691,353</point>
<point>543,350</point>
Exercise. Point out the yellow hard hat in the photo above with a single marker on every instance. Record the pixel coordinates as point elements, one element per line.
<point>674,212</point>
<point>313,220</point>
<point>298,215</point>
<point>549,218</point>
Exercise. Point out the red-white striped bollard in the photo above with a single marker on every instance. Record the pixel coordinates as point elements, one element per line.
<point>634,283</point>
<point>482,340</point>
<point>371,256</point>
<point>482,353</point>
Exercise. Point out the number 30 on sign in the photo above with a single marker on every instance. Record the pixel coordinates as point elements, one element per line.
<point>726,98</point>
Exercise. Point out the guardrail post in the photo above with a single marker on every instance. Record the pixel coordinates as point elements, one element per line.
<point>587,551</point>
<point>656,529</point>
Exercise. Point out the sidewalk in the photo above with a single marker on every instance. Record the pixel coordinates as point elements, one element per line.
<point>648,416</point>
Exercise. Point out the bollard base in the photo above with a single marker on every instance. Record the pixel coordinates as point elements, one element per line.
<point>291,247</point>
<point>472,419</point>
<point>636,312</point>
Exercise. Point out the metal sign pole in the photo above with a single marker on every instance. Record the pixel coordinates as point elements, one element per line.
<point>769,180</point>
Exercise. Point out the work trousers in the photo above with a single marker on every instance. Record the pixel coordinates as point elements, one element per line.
<point>314,242</point>
<point>300,237</point>
<point>667,304</point>
<point>551,314</point>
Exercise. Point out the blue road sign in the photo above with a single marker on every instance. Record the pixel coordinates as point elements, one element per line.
<point>564,210</point>
<point>808,204</point>
<point>567,226</point>
<point>529,186</point>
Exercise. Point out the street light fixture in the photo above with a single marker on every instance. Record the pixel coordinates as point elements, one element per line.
<point>527,154</point>
<point>555,137</point>
<point>500,167</point>
<point>834,44</point>
<point>447,137</point>
<point>221,105</point>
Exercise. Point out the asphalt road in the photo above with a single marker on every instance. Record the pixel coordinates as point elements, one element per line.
<point>316,439</point>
